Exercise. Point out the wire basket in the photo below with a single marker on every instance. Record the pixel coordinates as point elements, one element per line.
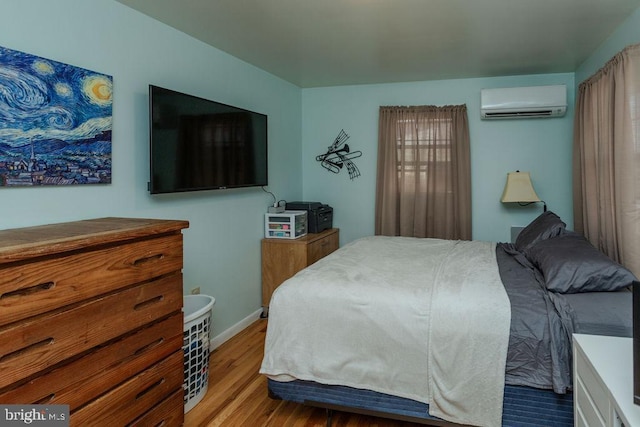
<point>197,325</point>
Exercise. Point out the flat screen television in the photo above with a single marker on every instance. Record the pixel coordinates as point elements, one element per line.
<point>198,144</point>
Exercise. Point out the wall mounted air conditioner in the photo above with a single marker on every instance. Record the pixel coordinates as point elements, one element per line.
<point>523,102</point>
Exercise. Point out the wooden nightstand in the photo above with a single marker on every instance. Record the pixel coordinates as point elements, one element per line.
<point>282,258</point>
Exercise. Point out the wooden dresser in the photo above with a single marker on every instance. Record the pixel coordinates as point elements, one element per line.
<point>282,258</point>
<point>90,317</point>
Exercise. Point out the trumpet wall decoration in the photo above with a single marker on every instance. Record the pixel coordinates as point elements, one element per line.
<point>338,155</point>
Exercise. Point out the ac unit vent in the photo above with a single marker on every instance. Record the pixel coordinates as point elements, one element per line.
<point>523,102</point>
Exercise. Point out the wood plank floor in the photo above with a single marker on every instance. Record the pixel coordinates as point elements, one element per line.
<point>237,394</point>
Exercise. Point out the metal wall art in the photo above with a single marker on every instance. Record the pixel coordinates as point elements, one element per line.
<point>55,122</point>
<point>338,155</point>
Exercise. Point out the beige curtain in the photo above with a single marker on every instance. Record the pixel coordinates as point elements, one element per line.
<point>606,159</point>
<point>423,186</point>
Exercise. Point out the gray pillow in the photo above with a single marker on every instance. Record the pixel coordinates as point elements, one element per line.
<point>545,226</point>
<point>570,264</point>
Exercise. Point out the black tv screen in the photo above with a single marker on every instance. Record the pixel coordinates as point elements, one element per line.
<point>198,144</point>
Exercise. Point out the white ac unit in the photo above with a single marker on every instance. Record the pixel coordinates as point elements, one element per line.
<point>523,102</point>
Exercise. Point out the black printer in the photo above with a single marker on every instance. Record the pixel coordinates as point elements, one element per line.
<point>319,216</point>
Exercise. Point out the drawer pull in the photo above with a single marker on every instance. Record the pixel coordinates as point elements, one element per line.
<point>150,301</point>
<point>45,399</point>
<point>23,350</point>
<point>162,423</point>
<point>151,258</point>
<point>148,346</point>
<point>28,291</point>
<point>148,389</point>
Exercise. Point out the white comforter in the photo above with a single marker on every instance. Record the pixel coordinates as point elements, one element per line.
<point>424,319</point>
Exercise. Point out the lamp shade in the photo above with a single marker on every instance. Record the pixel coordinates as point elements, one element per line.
<point>519,189</point>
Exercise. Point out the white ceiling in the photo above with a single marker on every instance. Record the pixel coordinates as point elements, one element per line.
<point>315,43</point>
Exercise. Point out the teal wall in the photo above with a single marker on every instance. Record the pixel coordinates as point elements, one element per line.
<point>540,146</point>
<point>222,245</point>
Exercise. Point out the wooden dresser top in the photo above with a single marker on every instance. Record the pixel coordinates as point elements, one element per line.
<point>23,243</point>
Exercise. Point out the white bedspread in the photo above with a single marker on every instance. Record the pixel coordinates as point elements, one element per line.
<point>424,319</point>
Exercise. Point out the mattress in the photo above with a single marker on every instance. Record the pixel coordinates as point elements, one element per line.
<point>603,313</point>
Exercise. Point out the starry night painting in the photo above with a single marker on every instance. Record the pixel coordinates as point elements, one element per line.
<point>55,122</point>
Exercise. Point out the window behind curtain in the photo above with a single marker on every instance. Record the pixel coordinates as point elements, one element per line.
<point>423,184</point>
<point>606,159</point>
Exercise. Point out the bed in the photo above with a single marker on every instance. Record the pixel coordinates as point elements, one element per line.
<point>445,332</point>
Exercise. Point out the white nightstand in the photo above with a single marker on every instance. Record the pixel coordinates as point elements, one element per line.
<point>603,382</point>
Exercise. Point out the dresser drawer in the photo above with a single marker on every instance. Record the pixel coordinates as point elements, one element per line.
<point>320,248</point>
<point>168,413</point>
<point>37,287</point>
<point>587,413</point>
<point>132,399</point>
<point>46,340</point>
<point>85,379</point>
<point>591,390</point>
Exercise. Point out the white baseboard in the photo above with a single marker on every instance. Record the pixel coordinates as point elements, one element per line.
<point>224,336</point>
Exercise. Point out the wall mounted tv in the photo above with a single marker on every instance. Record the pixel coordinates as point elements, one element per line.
<point>197,144</point>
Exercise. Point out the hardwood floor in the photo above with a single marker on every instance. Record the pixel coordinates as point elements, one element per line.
<point>237,394</point>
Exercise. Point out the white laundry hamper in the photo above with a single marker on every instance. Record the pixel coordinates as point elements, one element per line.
<point>197,325</point>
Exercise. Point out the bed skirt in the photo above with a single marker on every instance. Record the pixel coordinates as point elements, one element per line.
<point>523,406</point>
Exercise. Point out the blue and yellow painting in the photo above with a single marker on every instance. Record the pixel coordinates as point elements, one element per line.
<point>55,122</point>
